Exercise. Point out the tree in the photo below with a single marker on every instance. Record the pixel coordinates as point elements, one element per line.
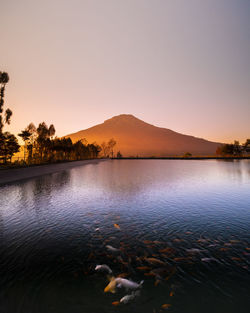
<point>4,118</point>
<point>31,128</point>
<point>230,149</point>
<point>111,145</point>
<point>247,143</point>
<point>25,135</point>
<point>94,150</point>
<point>119,155</point>
<point>237,151</point>
<point>104,148</point>
<point>8,146</point>
<point>52,131</point>
<point>8,142</point>
<point>43,142</point>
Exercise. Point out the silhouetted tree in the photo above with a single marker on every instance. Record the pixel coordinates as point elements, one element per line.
<point>237,150</point>
<point>4,119</point>
<point>8,146</point>
<point>119,155</point>
<point>52,131</point>
<point>8,142</point>
<point>25,135</point>
<point>104,148</point>
<point>33,134</point>
<point>111,145</point>
<point>246,146</point>
<point>247,142</point>
<point>230,149</point>
<point>94,150</point>
<point>43,142</point>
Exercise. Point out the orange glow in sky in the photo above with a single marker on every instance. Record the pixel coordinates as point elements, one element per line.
<point>183,65</point>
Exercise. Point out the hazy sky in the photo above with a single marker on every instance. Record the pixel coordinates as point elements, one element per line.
<point>179,64</point>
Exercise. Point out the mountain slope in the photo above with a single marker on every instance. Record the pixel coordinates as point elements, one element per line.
<point>135,137</point>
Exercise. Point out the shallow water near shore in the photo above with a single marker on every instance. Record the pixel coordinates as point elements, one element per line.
<point>183,226</point>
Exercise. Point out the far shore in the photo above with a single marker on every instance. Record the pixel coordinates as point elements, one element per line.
<point>15,174</point>
<point>186,158</point>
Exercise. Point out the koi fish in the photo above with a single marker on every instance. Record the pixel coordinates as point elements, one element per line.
<point>168,250</point>
<point>209,260</point>
<point>236,259</point>
<point>103,267</point>
<point>128,284</point>
<point>123,275</point>
<point>110,248</point>
<point>115,303</point>
<point>177,240</point>
<point>202,240</point>
<point>234,241</point>
<point>165,250</point>
<point>166,306</point>
<point>149,274</point>
<point>117,226</point>
<point>223,249</point>
<point>147,242</point>
<point>154,261</point>
<point>181,259</point>
<point>144,268</point>
<point>111,286</point>
<point>129,298</point>
<point>156,283</point>
<point>194,250</point>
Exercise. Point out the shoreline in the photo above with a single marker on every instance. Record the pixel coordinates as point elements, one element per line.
<point>184,158</point>
<point>15,174</point>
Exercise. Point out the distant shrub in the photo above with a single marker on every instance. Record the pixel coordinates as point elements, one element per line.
<point>187,155</point>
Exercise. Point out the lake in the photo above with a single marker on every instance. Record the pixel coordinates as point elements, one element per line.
<point>182,226</point>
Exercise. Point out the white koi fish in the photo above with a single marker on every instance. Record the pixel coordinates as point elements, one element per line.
<point>103,267</point>
<point>194,250</point>
<point>129,298</point>
<point>112,249</point>
<point>128,284</point>
<point>210,260</point>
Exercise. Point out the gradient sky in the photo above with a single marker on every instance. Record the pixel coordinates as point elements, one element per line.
<point>183,65</point>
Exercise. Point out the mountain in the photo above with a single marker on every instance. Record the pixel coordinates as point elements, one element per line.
<point>135,137</point>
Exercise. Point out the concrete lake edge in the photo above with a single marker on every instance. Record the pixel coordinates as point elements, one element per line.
<point>16,174</point>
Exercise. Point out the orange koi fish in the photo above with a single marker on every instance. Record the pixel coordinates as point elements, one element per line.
<point>111,286</point>
<point>117,226</point>
<point>166,306</point>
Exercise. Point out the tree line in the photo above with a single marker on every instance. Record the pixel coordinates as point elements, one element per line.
<point>234,149</point>
<point>40,143</point>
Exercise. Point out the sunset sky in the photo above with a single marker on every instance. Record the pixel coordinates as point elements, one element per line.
<point>183,65</point>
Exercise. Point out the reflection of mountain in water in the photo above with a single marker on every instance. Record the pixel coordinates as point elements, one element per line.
<point>135,137</point>
<point>131,177</point>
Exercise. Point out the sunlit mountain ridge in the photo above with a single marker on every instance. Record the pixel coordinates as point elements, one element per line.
<point>135,137</point>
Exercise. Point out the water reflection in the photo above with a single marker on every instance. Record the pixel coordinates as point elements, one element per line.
<point>183,229</point>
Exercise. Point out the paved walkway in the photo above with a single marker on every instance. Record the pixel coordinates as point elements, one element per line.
<point>15,174</point>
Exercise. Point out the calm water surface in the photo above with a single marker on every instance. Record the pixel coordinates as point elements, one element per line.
<point>184,230</point>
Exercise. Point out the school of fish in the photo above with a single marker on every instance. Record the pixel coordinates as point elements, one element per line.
<point>156,261</point>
